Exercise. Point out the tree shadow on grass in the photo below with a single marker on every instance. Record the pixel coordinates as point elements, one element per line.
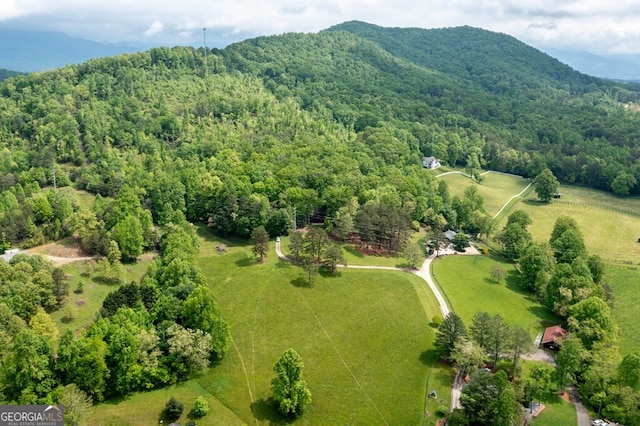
<point>265,410</point>
<point>246,260</point>
<point>300,282</point>
<point>327,273</point>
<point>491,281</point>
<point>284,264</point>
<point>428,357</point>
<point>353,251</point>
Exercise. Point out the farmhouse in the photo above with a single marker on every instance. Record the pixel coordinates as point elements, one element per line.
<point>551,336</point>
<point>430,162</point>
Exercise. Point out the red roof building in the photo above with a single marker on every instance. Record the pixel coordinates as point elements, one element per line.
<point>551,336</point>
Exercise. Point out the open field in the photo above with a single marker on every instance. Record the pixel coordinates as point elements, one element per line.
<point>145,408</point>
<point>87,303</point>
<point>626,299</point>
<point>496,188</point>
<point>466,282</point>
<point>610,224</point>
<point>363,336</point>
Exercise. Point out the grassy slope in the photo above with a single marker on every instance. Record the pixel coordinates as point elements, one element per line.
<point>495,188</point>
<point>612,234</point>
<point>465,279</point>
<point>362,335</point>
<point>626,300</point>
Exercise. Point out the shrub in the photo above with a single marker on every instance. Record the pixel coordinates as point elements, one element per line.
<point>174,408</point>
<point>200,407</point>
<point>436,320</point>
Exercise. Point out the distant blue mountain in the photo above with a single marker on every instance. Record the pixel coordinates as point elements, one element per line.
<point>614,67</point>
<point>28,51</point>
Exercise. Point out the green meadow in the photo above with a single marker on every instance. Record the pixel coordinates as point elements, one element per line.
<point>363,335</point>
<point>469,289</point>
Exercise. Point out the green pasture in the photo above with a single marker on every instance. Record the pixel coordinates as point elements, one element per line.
<point>363,335</point>
<point>469,288</point>
<point>87,303</point>
<point>495,188</point>
<point>611,234</point>
<point>625,284</point>
<point>145,408</point>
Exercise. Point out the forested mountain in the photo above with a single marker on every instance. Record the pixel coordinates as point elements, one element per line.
<point>4,74</point>
<point>273,132</point>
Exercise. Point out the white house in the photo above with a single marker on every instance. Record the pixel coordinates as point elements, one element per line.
<point>430,162</point>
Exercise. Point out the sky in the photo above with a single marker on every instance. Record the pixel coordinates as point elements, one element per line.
<point>594,26</point>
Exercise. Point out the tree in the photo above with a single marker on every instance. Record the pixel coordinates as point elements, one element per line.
<point>450,332</point>
<point>200,407</point>
<point>535,258</point>
<point>76,403</point>
<point>467,356</point>
<point>413,254</point>
<point>290,392</point>
<point>200,311</point>
<point>590,320</point>
<point>629,370</point>
<point>499,337</point>
<point>569,361</point>
<point>173,408</point>
<point>189,349</point>
<point>481,328</point>
<point>623,183</point>
<point>460,241</point>
<point>497,274</point>
<point>260,240</point>
<point>521,342</point>
<point>296,245</point>
<point>128,234</point>
<point>114,255</point>
<point>61,286</point>
<point>315,242</point>
<point>546,185</point>
<point>310,267</point>
<point>333,257</point>
<point>569,246</point>
<point>539,384</point>
<point>515,237</point>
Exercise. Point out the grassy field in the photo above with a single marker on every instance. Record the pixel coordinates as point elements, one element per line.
<point>146,408</point>
<point>495,188</point>
<point>362,334</point>
<point>610,224</point>
<point>87,303</point>
<point>467,284</point>
<point>625,284</point>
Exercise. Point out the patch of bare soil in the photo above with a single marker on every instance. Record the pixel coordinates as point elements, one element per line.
<point>565,396</point>
<point>68,248</point>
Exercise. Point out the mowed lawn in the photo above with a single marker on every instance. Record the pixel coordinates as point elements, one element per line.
<point>626,299</point>
<point>364,337</point>
<point>495,188</point>
<point>469,288</point>
<point>609,231</point>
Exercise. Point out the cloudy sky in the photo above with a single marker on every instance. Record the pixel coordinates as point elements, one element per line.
<point>591,25</point>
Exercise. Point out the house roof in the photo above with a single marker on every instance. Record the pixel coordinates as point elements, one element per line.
<point>551,334</point>
<point>429,159</point>
<point>450,235</point>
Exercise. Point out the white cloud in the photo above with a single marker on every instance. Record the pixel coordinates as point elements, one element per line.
<point>155,29</point>
<point>591,25</point>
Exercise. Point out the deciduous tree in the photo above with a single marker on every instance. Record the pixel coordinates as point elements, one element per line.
<point>290,392</point>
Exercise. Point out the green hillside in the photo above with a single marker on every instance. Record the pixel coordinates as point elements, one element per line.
<point>254,141</point>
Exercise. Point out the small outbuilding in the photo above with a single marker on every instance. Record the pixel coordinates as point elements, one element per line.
<point>551,337</point>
